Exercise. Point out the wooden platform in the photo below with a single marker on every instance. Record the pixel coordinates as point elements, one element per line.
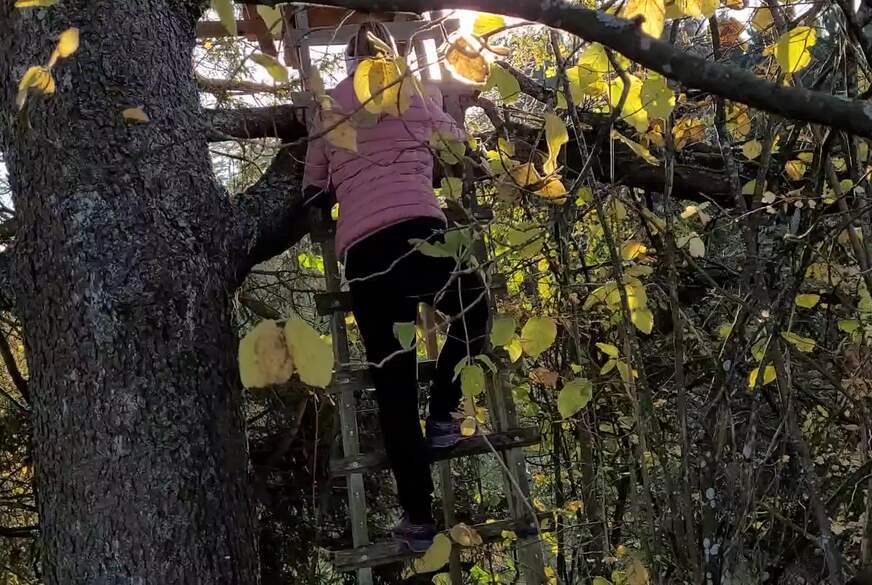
<point>385,553</point>
<point>477,445</point>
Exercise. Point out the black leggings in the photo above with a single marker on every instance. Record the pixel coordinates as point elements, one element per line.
<point>388,278</point>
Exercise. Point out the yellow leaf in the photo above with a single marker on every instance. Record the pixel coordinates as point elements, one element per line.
<point>637,574</point>
<point>762,18</point>
<point>38,78</point>
<point>795,169</point>
<point>792,48</point>
<point>341,133</point>
<point>632,111</point>
<point>553,190</point>
<point>556,136</point>
<point>34,3</point>
<point>752,149</point>
<point>435,557</point>
<point>688,130</point>
<point>272,18</point>
<point>631,249</point>
<point>276,70</point>
<point>652,11</point>
<point>695,8</point>
<point>637,148</point>
<point>468,426</point>
<point>465,535</point>
<point>377,87</point>
<point>486,23</point>
<point>807,301</point>
<point>643,319</point>
<point>68,43</point>
<point>226,14</point>
<point>738,120</point>
<point>768,376</point>
<point>657,99</point>
<point>525,175</point>
<point>465,60</point>
<point>509,535</point>
<point>537,335</point>
<point>515,349</point>
<point>135,115</point>
<point>264,358</point>
<point>313,357</point>
<point>608,349</point>
<point>803,344</point>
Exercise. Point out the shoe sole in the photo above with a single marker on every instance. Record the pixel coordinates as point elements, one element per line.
<point>447,441</point>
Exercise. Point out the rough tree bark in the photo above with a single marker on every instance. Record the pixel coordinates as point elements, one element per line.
<point>126,257</point>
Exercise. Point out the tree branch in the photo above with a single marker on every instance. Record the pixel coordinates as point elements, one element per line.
<point>625,37</point>
<point>12,368</point>
<point>271,211</point>
<point>213,85</point>
<point>285,122</point>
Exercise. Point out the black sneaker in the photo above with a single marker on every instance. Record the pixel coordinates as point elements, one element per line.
<point>443,434</point>
<point>416,537</point>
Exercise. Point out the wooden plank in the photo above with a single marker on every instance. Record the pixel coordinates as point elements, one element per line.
<point>510,439</point>
<point>333,36</point>
<point>385,553</point>
<point>213,29</point>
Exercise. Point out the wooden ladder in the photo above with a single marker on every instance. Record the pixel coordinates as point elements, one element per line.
<point>508,441</point>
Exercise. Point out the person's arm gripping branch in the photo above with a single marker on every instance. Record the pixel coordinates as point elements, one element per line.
<point>441,121</point>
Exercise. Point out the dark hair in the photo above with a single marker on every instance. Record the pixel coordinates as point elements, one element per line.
<point>361,46</point>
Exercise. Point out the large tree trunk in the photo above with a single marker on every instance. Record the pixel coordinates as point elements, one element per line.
<point>125,260</point>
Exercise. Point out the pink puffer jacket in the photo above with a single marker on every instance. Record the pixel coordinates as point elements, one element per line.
<point>390,178</point>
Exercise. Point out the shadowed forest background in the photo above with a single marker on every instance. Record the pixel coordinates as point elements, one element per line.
<point>695,239</point>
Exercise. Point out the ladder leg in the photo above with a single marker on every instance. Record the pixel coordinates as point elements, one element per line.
<point>428,322</point>
<point>516,485</point>
<point>347,415</point>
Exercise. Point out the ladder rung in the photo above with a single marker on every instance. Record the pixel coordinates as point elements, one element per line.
<point>384,553</point>
<point>473,446</point>
<point>328,303</point>
<point>358,377</point>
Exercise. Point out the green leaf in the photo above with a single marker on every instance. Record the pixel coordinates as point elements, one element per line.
<point>657,99</point>
<point>601,581</point>
<point>807,301</point>
<point>608,349</point>
<point>312,356</point>
<point>456,245</point>
<point>506,83</point>
<point>528,241</point>
<point>488,362</point>
<point>792,48</point>
<point>574,396</point>
<point>849,325</point>
<point>472,380</point>
<point>502,330</point>
<point>537,335</point>
<point>452,187</point>
<point>485,23</point>
<point>515,349</point>
<point>276,70</point>
<point>226,14</point>
<point>406,334</point>
<point>803,344</point>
